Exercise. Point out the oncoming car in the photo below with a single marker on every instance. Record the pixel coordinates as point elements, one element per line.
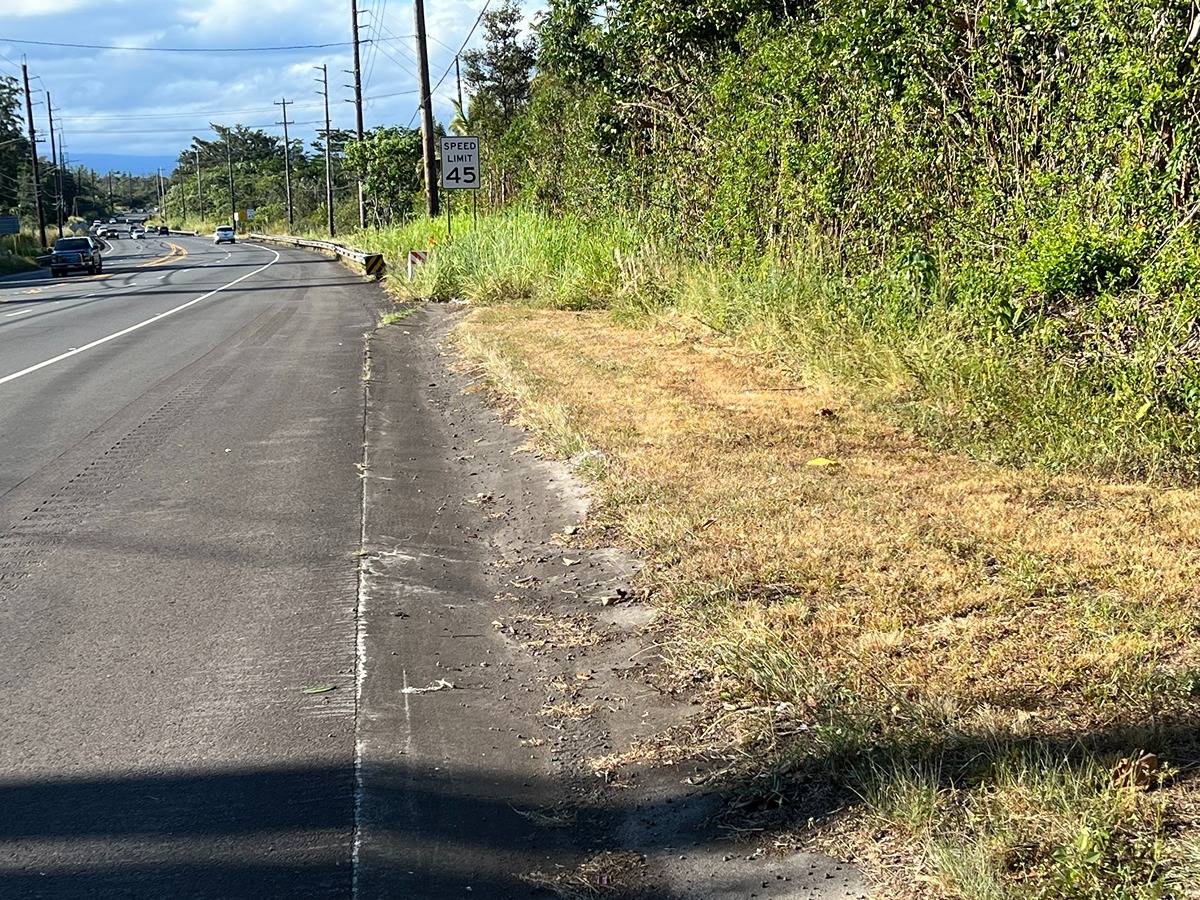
<point>225,235</point>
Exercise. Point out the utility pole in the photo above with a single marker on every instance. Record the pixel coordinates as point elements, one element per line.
<point>358,108</point>
<point>232,196</point>
<point>58,184</point>
<point>110,193</point>
<point>199,189</point>
<point>287,158</point>
<point>431,186</point>
<point>458,78</point>
<point>328,154</point>
<point>33,160</point>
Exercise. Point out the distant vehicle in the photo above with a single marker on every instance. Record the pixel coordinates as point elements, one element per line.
<point>225,235</point>
<point>163,229</point>
<point>112,221</point>
<point>136,233</point>
<point>98,223</point>
<point>75,253</point>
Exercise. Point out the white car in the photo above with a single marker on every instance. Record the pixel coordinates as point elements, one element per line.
<point>225,235</point>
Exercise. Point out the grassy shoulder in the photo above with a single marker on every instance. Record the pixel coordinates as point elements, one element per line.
<point>1102,385</point>
<point>1001,664</point>
<point>18,256</point>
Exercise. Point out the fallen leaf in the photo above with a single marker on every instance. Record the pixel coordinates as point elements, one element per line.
<point>821,461</point>
<point>320,689</point>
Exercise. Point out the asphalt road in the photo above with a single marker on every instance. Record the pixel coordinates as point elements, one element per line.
<point>180,518</point>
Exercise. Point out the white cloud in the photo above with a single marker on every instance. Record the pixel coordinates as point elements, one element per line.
<point>151,102</point>
<point>32,8</point>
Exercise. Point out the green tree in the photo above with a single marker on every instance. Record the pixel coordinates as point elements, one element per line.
<point>14,148</point>
<point>500,78</point>
<point>500,75</point>
<point>388,160</point>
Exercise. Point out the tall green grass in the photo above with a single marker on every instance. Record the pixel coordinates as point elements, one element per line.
<point>17,253</point>
<point>520,256</point>
<point>916,352</point>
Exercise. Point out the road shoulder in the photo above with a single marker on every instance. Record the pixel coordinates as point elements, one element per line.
<point>504,658</point>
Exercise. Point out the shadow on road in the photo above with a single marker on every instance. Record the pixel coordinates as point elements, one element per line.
<point>288,832</point>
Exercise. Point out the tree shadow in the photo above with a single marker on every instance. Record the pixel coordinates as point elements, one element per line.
<point>290,831</point>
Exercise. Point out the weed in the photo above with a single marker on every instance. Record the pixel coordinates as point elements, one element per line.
<point>972,649</point>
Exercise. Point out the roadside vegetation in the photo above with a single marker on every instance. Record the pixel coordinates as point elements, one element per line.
<point>18,253</point>
<point>883,320</point>
<point>1000,665</point>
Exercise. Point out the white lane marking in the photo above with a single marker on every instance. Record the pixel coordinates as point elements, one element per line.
<point>21,313</point>
<point>75,351</point>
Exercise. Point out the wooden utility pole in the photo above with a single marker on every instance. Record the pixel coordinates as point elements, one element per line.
<point>287,158</point>
<point>33,159</point>
<point>232,196</point>
<point>358,108</point>
<point>58,183</point>
<point>431,184</point>
<point>199,189</point>
<point>328,154</point>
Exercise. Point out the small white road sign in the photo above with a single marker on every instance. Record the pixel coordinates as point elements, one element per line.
<point>460,163</point>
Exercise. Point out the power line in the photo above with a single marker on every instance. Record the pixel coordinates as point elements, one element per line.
<point>377,20</point>
<point>470,34</point>
<point>404,66</point>
<point>178,115</point>
<point>183,130</point>
<point>178,49</point>
<point>392,94</point>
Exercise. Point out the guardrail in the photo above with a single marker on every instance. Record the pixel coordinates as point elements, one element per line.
<point>372,263</point>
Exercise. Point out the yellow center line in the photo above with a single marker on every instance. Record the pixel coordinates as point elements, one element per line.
<point>176,252</point>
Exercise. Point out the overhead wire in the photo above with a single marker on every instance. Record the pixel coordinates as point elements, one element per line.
<point>271,49</point>
<point>182,130</point>
<point>180,115</point>
<point>466,40</point>
<point>377,17</point>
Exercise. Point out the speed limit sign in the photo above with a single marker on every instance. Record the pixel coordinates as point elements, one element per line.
<point>460,163</point>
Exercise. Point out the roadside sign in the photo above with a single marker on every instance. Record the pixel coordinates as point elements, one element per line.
<point>10,225</point>
<point>460,163</point>
<point>250,215</point>
<point>416,258</point>
<point>375,264</point>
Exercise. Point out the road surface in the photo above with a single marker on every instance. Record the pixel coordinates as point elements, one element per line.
<point>180,515</point>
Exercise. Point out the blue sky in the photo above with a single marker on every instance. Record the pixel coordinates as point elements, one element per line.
<point>149,104</point>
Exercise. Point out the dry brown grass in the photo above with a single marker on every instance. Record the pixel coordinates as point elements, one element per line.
<point>833,573</point>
